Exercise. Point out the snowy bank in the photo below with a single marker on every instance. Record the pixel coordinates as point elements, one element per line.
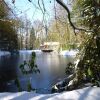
<point>90,93</point>
<point>30,51</point>
<point>3,53</point>
<point>69,52</point>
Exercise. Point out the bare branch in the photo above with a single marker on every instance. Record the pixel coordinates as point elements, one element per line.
<point>69,18</point>
<point>13,1</point>
<point>43,6</point>
<point>29,0</point>
<point>9,8</point>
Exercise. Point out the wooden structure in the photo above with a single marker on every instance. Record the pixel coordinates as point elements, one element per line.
<point>49,46</point>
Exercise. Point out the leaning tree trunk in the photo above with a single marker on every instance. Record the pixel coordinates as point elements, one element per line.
<point>89,66</point>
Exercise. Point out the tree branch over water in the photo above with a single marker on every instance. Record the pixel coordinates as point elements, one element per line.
<point>69,18</point>
<point>69,15</point>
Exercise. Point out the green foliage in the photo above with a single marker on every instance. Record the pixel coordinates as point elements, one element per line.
<point>97,83</point>
<point>33,55</point>
<point>89,12</point>
<point>3,10</point>
<point>60,31</point>
<point>72,46</point>
<point>69,69</point>
<point>30,67</point>
<point>64,47</point>
<point>90,72</point>
<point>89,65</point>
<point>17,83</point>
<point>32,38</point>
<point>29,88</point>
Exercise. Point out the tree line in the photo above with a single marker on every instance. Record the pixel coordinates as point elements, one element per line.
<point>21,33</point>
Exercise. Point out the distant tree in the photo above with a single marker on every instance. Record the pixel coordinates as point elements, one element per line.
<point>39,30</point>
<point>59,29</point>
<point>32,38</point>
<point>20,31</point>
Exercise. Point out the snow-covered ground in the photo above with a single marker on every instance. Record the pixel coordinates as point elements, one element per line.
<point>89,93</point>
<point>69,52</point>
<point>3,53</point>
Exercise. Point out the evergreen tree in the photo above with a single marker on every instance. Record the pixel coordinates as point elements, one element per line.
<point>89,65</point>
<point>8,36</point>
<point>32,38</point>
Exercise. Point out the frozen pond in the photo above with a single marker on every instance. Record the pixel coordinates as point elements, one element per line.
<point>51,65</point>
